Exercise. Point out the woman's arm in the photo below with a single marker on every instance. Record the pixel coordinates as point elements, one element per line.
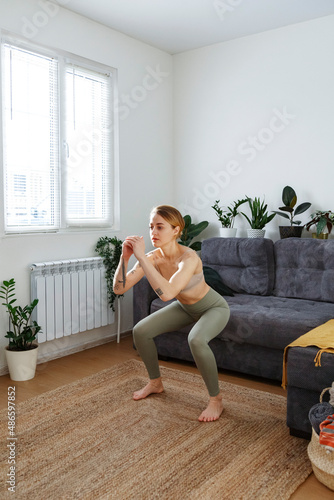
<point>168,289</point>
<point>165,289</point>
<point>124,280</point>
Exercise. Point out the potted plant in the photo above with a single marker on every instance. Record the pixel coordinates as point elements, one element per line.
<point>190,231</point>
<point>259,218</point>
<point>289,211</point>
<point>227,217</point>
<point>321,220</point>
<point>22,351</point>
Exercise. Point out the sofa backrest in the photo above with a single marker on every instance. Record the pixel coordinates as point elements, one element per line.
<point>305,269</point>
<point>244,264</point>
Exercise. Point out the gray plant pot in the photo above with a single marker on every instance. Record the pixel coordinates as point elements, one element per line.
<point>290,231</point>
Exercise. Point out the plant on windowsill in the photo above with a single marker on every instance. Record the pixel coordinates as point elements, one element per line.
<point>288,211</point>
<point>190,231</point>
<point>227,217</point>
<point>259,217</point>
<point>21,353</point>
<point>110,249</point>
<point>323,221</point>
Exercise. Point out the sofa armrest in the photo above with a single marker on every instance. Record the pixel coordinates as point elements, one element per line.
<point>143,294</point>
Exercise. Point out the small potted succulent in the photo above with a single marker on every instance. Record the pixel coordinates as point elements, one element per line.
<point>288,211</point>
<point>227,217</point>
<point>323,221</point>
<point>21,353</point>
<point>259,218</point>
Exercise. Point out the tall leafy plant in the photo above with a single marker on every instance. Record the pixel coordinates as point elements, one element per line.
<point>289,209</point>
<point>190,231</point>
<point>110,249</point>
<point>22,330</point>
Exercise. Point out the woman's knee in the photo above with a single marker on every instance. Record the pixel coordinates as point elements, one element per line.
<point>143,330</point>
<point>196,342</point>
<point>138,332</point>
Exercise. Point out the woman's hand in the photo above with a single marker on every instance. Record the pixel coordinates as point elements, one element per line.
<point>127,250</point>
<point>137,244</point>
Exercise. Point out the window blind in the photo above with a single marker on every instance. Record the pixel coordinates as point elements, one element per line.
<point>88,146</point>
<point>31,139</point>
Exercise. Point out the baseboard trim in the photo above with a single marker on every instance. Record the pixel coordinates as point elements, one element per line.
<point>73,350</point>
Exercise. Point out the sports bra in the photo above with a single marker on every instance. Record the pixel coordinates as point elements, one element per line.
<point>194,280</point>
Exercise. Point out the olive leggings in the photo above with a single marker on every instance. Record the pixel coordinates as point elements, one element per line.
<point>210,315</point>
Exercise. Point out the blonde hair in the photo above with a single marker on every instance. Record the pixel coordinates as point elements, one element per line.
<point>171,215</point>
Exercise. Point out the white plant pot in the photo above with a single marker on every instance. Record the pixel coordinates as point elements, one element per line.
<point>256,233</point>
<point>21,364</point>
<point>228,232</point>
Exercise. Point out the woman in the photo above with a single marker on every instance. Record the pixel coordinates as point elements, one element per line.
<point>174,271</point>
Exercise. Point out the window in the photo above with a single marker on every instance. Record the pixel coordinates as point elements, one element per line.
<point>58,146</point>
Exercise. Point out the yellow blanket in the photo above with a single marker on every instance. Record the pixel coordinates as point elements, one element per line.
<point>322,337</point>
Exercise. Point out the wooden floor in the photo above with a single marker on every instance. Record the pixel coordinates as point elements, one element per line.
<point>64,370</point>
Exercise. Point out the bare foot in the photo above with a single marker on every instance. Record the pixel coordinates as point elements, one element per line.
<point>153,387</point>
<point>213,410</point>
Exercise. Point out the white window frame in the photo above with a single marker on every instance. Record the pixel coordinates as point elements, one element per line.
<point>111,221</point>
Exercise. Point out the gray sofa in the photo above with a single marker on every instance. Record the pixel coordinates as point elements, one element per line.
<point>281,291</point>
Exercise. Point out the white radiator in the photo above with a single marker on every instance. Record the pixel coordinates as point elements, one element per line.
<point>72,297</point>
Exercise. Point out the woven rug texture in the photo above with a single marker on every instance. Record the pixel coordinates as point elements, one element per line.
<point>90,440</point>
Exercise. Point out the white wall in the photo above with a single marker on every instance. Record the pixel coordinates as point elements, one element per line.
<point>229,93</point>
<point>145,146</point>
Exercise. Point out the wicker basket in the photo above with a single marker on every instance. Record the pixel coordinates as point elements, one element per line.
<point>322,461</point>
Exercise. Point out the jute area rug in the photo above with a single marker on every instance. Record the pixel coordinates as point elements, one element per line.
<point>90,440</point>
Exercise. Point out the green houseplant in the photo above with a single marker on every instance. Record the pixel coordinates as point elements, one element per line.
<point>21,353</point>
<point>259,217</point>
<point>110,249</point>
<point>289,210</point>
<point>322,221</point>
<point>227,217</point>
<point>190,231</point>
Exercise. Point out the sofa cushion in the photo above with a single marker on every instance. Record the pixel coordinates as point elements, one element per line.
<point>272,322</point>
<point>305,269</point>
<point>246,265</point>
